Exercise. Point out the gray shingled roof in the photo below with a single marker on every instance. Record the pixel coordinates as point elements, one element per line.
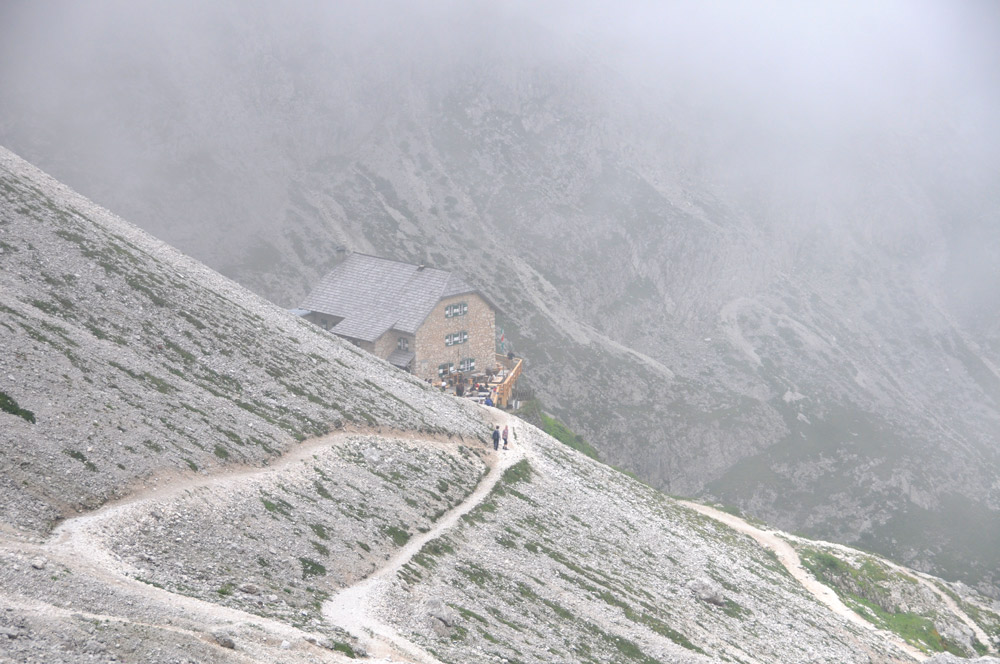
<point>401,358</point>
<point>374,295</point>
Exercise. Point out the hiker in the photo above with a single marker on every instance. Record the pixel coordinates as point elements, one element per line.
<point>496,437</point>
<point>504,436</point>
<point>489,402</point>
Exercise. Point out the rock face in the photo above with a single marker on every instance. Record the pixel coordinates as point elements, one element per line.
<point>175,551</point>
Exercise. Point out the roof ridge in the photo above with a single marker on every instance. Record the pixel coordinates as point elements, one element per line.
<point>401,262</point>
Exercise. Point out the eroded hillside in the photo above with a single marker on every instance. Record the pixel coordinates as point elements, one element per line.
<point>191,474</point>
<point>785,305</point>
<point>134,361</point>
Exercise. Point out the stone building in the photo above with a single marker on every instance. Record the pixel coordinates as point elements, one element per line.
<point>424,320</point>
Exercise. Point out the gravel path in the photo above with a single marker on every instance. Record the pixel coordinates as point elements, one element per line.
<point>788,557</point>
<point>945,598</point>
<point>356,608</point>
<point>80,544</point>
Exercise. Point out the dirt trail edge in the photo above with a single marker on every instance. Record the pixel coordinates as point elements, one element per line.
<point>352,608</point>
<point>942,595</point>
<point>790,559</point>
<point>79,544</point>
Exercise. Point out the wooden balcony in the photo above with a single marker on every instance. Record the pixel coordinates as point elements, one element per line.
<point>507,379</point>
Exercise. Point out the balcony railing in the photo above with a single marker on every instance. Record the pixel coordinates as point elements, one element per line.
<point>506,386</point>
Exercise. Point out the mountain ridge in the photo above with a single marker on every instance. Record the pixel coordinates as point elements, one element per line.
<point>675,256</point>
<point>230,557</point>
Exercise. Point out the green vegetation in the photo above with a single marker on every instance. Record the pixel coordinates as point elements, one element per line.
<point>519,472</point>
<point>9,405</point>
<point>89,465</point>
<point>532,412</point>
<point>399,536</point>
<point>311,568</point>
<point>345,648</point>
<point>227,589</point>
<point>864,590</point>
<point>277,506</point>
<point>321,490</point>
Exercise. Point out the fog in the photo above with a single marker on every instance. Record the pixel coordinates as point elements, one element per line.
<point>782,101</point>
<point>749,248</point>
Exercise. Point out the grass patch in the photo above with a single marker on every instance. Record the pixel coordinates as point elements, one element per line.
<point>345,648</point>
<point>311,568</point>
<point>532,412</point>
<point>9,405</point>
<point>860,589</point>
<point>79,456</point>
<point>519,472</point>
<point>277,506</point>
<point>321,490</point>
<point>399,536</point>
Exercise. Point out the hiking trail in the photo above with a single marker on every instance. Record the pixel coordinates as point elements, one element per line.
<point>353,608</point>
<point>789,558</point>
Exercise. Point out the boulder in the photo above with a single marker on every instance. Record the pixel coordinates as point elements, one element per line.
<point>224,640</point>
<point>442,618</point>
<point>707,590</point>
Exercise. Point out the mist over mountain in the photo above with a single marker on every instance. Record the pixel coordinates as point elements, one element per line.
<point>748,252</point>
<point>192,473</point>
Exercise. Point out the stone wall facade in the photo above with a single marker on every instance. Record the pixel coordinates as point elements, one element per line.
<point>387,344</point>
<point>432,349</point>
<point>430,344</point>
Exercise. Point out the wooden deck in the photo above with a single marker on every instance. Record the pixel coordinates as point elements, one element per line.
<point>506,386</point>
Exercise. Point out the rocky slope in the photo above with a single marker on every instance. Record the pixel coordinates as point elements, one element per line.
<point>191,474</point>
<point>133,361</point>
<point>795,317</point>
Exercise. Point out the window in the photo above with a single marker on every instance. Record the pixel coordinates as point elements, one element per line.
<point>453,310</point>
<point>468,364</point>
<point>456,338</point>
<point>403,343</point>
<point>446,368</point>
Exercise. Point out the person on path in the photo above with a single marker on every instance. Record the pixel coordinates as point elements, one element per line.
<point>496,437</point>
<point>504,436</point>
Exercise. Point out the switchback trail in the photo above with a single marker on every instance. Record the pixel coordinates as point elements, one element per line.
<point>353,608</point>
<point>79,544</point>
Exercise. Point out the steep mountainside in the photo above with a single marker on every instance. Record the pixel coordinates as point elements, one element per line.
<point>787,316</point>
<point>190,473</point>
